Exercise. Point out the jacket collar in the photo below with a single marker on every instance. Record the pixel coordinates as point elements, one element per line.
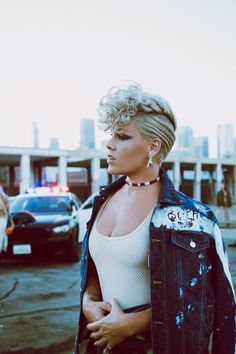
<point>168,195</point>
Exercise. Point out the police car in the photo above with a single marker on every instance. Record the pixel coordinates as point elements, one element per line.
<point>84,214</point>
<point>45,222</point>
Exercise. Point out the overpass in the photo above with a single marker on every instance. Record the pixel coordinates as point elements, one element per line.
<point>199,177</point>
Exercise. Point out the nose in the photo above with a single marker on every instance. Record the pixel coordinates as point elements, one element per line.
<point>110,144</point>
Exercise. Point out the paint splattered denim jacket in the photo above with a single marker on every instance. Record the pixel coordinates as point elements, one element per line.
<point>192,296</point>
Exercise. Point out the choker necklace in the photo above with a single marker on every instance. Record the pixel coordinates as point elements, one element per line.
<point>142,184</point>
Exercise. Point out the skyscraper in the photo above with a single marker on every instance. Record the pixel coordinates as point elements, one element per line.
<point>185,139</point>
<point>54,143</point>
<point>201,145</point>
<point>225,140</point>
<point>87,133</point>
<point>35,135</point>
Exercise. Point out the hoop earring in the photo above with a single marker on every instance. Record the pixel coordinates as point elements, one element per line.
<point>150,159</point>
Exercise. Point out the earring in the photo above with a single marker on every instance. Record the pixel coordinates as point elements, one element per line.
<point>150,159</point>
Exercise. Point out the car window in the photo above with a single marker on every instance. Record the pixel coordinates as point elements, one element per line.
<point>41,204</point>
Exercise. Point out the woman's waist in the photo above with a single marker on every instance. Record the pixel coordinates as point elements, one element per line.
<point>128,299</point>
<point>138,308</point>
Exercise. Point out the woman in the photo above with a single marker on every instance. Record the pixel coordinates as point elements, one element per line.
<point>223,202</point>
<point>155,278</point>
<point>5,220</point>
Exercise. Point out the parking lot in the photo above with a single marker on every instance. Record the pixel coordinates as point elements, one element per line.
<point>39,303</point>
<point>38,306</point>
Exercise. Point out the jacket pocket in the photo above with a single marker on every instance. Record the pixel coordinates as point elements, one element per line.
<point>190,257</point>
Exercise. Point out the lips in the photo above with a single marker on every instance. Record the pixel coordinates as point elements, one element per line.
<point>110,157</point>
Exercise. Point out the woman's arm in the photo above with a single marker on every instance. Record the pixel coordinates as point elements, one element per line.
<point>93,308</point>
<point>115,327</point>
<point>137,322</point>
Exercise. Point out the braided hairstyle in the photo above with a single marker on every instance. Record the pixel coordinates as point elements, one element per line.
<point>152,115</point>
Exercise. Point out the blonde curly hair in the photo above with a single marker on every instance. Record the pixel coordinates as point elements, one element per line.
<point>152,115</point>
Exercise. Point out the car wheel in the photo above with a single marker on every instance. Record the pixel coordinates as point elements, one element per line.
<point>73,249</point>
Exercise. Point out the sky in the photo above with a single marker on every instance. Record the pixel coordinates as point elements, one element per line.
<point>60,57</point>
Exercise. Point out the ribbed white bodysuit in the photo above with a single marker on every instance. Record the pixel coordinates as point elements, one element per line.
<point>122,264</point>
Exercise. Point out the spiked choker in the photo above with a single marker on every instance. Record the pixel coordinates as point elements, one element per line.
<point>142,184</point>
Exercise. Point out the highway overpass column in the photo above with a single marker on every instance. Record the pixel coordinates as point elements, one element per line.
<point>24,173</point>
<point>176,174</point>
<point>219,177</point>
<point>197,182</point>
<point>95,175</point>
<point>62,169</point>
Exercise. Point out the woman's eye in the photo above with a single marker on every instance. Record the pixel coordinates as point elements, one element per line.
<point>122,137</point>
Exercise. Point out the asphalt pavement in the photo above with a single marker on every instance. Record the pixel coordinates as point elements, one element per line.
<point>39,306</point>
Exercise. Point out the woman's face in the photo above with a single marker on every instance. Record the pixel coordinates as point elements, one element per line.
<point>128,152</point>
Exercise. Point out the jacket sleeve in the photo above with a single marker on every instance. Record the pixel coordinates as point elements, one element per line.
<point>224,322</point>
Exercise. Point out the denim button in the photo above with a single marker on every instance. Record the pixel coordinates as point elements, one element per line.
<point>193,244</point>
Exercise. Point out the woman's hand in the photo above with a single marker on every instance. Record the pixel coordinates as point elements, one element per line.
<point>111,329</point>
<point>95,310</point>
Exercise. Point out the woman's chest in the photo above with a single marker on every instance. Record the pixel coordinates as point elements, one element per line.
<point>118,219</point>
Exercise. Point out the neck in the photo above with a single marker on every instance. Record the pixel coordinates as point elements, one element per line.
<point>150,190</point>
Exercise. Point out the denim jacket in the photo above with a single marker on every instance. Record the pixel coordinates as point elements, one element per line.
<point>192,295</point>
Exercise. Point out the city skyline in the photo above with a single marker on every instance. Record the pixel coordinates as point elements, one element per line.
<point>60,57</point>
<point>186,141</point>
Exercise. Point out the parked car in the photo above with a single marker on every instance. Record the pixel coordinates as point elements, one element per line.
<point>45,223</point>
<point>84,214</point>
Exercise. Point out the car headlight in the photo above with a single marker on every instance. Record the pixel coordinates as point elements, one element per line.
<point>61,228</point>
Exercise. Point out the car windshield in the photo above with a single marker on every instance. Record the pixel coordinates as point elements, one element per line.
<point>41,204</point>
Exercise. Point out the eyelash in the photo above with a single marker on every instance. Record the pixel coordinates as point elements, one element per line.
<point>121,137</point>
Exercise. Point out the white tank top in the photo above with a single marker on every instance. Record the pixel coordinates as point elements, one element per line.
<point>122,264</point>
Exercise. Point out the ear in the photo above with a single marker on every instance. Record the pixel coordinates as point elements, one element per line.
<point>155,147</point>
